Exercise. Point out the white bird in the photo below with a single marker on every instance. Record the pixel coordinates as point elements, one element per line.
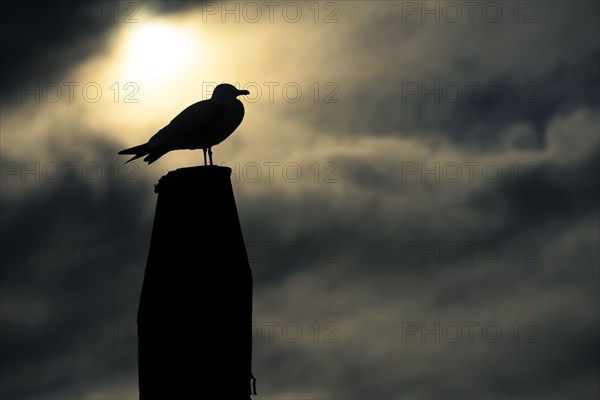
<point>200,126</point>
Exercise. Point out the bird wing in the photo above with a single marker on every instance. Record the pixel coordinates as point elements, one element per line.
<point>189,126</point>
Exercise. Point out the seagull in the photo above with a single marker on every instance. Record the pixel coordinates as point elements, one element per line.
<point>200,126</point>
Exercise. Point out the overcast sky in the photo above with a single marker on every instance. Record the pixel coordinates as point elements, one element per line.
<point>417,184</point>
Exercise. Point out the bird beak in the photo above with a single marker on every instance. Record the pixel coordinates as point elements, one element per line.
<point>240,92</point>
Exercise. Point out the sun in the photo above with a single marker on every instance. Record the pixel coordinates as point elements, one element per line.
<point>157,51</point>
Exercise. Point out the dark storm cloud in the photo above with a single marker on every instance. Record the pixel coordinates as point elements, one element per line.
<point>547,198</point>
<point>548,294</point>
<point>468,82</point>
<point>41,40</point>
<point>73,255</point>
<point>559,195</point>
<point>556,211</point>
<point>372,355</point>
<point>479,117</point>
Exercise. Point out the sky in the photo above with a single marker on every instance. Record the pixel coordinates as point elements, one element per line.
<point>417,185</point>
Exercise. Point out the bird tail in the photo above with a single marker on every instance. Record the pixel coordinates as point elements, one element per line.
<point>139,151</point>
<point>152,156</point>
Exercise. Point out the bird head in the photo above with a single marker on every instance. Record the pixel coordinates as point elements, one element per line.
<point>227,91</point>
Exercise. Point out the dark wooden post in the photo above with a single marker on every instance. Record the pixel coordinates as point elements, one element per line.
<point>195,312</point>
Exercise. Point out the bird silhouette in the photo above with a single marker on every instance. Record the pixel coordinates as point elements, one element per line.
<point>200,126</point>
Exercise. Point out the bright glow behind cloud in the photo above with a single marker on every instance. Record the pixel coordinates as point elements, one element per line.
<point>157,51</point>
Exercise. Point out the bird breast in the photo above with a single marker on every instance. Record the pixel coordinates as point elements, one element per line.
<point>226,125</point>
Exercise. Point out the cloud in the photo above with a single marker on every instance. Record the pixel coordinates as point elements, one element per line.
<point>465,81</point>
<point>73,254</point>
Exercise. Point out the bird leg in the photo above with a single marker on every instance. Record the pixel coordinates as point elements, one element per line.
<point>204,150</point>
<point>210,155</point>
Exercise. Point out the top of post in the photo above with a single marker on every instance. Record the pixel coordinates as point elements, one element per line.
<point>195,176</point>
